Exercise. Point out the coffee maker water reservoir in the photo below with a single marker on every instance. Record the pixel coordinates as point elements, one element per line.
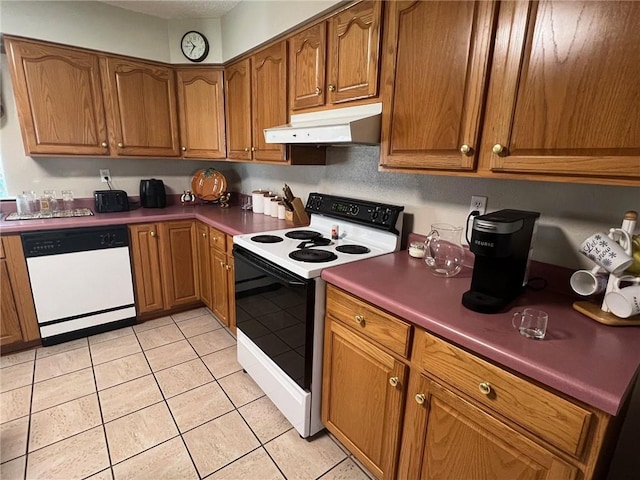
<point>502,242</point>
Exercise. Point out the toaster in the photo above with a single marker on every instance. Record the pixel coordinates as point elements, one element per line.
<point>111,201</point>
<point>152,193</point>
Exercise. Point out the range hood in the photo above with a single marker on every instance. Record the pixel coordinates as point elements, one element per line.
<point>359,124</point>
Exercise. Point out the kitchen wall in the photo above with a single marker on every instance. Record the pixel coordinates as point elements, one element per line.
<point>251,22</point>
<point>569,212</point>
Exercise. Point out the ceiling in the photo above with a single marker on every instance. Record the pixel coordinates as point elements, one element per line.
<point>177,9</point>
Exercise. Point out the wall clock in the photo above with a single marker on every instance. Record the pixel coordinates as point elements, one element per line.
<point>195,46</point>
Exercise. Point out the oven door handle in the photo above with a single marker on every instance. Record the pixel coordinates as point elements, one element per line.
<point>268,267</point>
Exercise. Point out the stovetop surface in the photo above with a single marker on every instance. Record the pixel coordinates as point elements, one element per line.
<point>376,243</point>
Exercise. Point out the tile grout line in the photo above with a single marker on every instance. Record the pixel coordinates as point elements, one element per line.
<point>26,453</point>
<point>104,428</point>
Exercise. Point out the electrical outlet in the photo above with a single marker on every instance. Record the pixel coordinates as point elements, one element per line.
<point>105,176</point>
<point>479,204</point>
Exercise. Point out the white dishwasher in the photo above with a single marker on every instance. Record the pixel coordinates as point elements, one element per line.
<point>81,281</point>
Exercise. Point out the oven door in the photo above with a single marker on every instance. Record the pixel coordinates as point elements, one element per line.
<point>275,310</point>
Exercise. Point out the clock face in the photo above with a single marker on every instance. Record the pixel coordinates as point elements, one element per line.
<point>194,46</point>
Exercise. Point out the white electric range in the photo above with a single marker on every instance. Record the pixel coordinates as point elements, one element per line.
<point>280,297</point>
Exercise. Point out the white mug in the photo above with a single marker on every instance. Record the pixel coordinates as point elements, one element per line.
<point>606,252</point>
<point>589,282</point>
<point>624,302</point>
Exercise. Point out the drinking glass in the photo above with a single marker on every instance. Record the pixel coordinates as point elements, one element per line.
<point>67,200</point>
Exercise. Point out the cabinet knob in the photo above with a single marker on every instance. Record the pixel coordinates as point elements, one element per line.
<point>227,266</point>
<point>222,264</point>
<point>120,144</point>
<point>104,144</point>
<point>204,234</point>
<point>253,149</point>
<point>214,238</point>
<point>184,149</point>
<point>359,319</point>
<point>466,150</point>
<point>332,87</point>
<point>484,388</point>
<point>246,149</point>
<point>393,381</point>
<point>499,149</point>
<point>318,90</point>
<point>420,398</point>
<point>152,233</point>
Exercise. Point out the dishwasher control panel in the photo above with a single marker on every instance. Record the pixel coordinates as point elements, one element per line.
<point>68,240</point>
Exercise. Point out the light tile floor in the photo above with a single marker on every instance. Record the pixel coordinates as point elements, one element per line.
<point>165,399</point>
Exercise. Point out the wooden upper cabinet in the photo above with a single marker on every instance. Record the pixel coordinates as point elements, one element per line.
<point>237,82</point>
<point>565,91</point>
<point>59,99</point>
<point>435,66</point>
<point>353,52</point>
<point>307,67</point>
<point>337,60</point>
<point>141,100</point>
<point>201,113</point>
<point>269,96</point>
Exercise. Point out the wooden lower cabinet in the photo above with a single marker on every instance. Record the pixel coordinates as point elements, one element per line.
<point>204,264</point>
<point>18,323</point>
<point>362,397</point>
<point>447,437</point>
<point>364,379</point>
<point>164,263</point>
<point>410,405</point>
<point>223,278</point>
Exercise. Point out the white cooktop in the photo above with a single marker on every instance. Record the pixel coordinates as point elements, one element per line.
<point>378,242</point>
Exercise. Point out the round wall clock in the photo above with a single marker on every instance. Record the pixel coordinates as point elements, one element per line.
<point>195,46</point>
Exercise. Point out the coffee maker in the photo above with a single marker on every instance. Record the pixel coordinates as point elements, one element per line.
<point>502,242</point>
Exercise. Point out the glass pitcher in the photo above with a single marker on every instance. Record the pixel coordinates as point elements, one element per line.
<point>444,251</point>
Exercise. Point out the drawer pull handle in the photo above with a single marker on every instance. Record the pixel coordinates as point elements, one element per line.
<point>360,319</point>
<point>420,398</point>
<point>484,388</point>
<point>393,381</point>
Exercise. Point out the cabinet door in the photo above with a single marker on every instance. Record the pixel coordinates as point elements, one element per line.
<point>564,90</point>
<point>435,70</point>
<point>269,96</point>
<point>237,82</point>
<point>204,264</point>
<point>146,267</point>
<point>307,67</point>
<point>363,392</point>
<point>447,437</point>
<point>142,108</point>
<point>231,292</point>
<point>10,331</point>
<point>354,52</point>
<point>59,99</point>
<point>220,285</point>
<point>178,261</point>
<point>201,113</point>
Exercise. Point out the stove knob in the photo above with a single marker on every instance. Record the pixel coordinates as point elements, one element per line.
<point>375,214</point>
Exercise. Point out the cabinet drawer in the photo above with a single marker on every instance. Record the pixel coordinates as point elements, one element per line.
<point>368,320</point>
<point>550,417</point>
<point>217,239</point>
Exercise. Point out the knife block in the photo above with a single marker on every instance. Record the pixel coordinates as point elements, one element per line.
<point>299,215</point>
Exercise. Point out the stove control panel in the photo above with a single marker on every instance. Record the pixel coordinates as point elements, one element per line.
<point>379,215</point>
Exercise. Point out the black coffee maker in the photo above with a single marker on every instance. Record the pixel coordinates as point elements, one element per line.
<point>502,242</point>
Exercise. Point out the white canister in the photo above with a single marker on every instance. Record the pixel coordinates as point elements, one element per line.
<point>273,209</point>
<point>267,203</point>
<point>257,200</point>
<point>281,210</point>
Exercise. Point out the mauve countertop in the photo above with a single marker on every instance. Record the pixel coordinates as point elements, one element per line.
<point>232,220</point>
<point>580,357</point>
